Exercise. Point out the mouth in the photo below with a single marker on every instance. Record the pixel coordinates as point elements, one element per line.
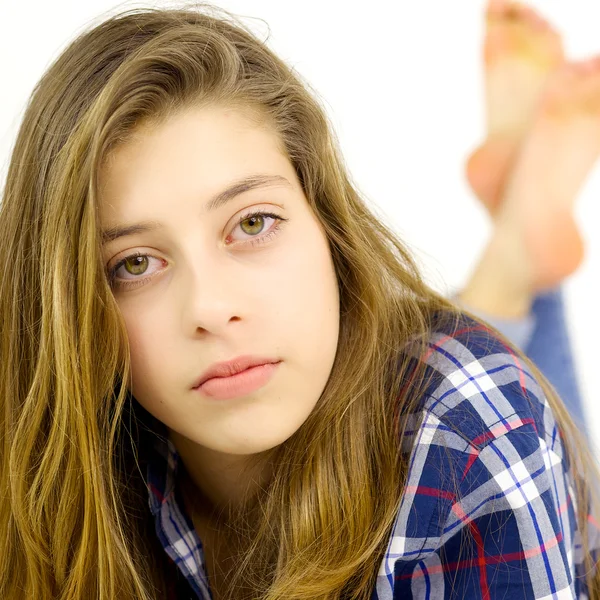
<point>239,384</point>
<point>233,367</point>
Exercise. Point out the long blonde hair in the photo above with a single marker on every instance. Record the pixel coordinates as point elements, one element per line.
<point>74,522</point>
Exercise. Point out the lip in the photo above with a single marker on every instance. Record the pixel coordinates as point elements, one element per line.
<point>240,385</point>
<point>233,367</point>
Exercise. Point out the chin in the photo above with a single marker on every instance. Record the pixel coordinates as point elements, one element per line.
<point>245,446</point>
<point>249,447</point>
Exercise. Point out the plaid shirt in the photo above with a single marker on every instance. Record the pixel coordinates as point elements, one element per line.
<point>488,510</point>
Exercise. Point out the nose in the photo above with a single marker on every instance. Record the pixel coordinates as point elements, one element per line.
<point>210,295</point>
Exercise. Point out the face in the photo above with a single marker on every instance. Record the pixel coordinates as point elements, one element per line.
<point>211,283</point>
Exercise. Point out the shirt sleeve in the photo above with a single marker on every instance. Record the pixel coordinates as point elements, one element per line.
<point>507,529</point>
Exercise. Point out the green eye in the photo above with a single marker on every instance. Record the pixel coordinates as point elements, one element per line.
<point>137,263</point>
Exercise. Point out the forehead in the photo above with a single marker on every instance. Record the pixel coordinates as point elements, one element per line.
<point>196,153</point>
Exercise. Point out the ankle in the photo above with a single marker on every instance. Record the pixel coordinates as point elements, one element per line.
<point>501,285</point>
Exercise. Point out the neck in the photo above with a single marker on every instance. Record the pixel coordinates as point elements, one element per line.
<point>218,483</point>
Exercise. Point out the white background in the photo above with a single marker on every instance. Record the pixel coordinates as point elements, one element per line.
<point>402,82</point>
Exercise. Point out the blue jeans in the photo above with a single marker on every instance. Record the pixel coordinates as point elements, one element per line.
<point>543,336</point>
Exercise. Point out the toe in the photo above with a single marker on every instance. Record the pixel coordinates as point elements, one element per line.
<point>535,20</point>
<point>496,8</point>
<point>574,89</point>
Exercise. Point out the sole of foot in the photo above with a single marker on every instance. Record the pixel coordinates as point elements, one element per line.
<point>521,50</point>
<point>552,164</point>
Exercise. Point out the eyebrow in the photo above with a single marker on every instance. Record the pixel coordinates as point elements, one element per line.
<point>238,187</point>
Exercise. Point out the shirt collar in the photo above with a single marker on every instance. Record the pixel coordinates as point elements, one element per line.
<point>173,526</point>
<point>177,534</point>
<point>161,470</point>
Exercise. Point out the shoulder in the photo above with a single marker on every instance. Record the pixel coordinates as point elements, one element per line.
<point>487,510</point>
<point>486,438</point>
<point>487,474</point>
<point>480,388</point>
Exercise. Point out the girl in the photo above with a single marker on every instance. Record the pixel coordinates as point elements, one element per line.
<point>224,377</point>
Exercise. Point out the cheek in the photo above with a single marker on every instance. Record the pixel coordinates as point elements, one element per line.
<point>298,310</point>
<point>307,296</point>
<point>149,349</point>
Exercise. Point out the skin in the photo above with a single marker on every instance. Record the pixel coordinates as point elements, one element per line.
<point>547,131</point>
<point>213,296</point>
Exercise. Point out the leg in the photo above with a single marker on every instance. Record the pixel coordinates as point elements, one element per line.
<point>558,365</point>
<point>542,140</point>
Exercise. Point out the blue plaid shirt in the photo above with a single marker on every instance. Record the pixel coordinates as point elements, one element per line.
<point>488,509</point>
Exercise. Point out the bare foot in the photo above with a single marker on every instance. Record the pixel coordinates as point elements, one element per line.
<point>553,163</point>
<point>520,51</point>
<point>536,242</point>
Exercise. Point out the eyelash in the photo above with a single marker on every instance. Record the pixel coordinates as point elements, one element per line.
<point>253,242</point>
